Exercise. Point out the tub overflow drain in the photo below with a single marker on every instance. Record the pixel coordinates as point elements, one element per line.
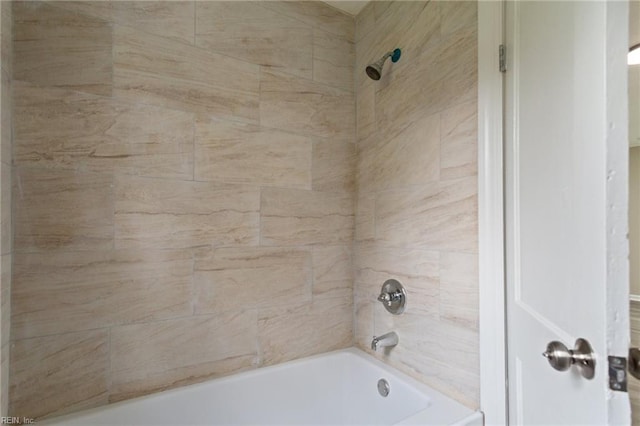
<point>383,387</point>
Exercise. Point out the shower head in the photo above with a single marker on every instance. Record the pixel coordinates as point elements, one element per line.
<point>374,70</point>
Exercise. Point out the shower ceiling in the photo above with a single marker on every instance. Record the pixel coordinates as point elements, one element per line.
<point>350,7</point>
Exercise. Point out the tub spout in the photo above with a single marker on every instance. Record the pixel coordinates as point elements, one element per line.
<point>385,341</point>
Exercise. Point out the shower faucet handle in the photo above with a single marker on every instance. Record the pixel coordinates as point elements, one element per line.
<point>389,298</point>
<point>393,296</point>
<point>384,298</point>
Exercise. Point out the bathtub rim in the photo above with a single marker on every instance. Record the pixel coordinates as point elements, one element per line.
<point>464,415</point>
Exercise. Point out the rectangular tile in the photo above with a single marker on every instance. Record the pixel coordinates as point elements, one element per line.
<point>59,374</point>
<point>156,213</point>
<point>459,288</point>
<point>251,277</point>
<point>334,163</point>
<point>137,51</point>
<point>168,73</point>
<point>457,15</point>
<point>306,107</point>
<point>417,271</point>
<point>170,19</point>
<point>437,216</point>
<point>320,326</point>
<point>459,141</point>
<point>424,30</point>
<point>185,95</point>
<point>411,158</point>
<point>318,15</point>
<point>461,341</point>
<point>445,358</point>
<point>248,154</point>
<point>333,60</point>
<point>248,31</point>
<point>399,104</point>
<point>71,291</point>
<point>332,272</point>
<point>160,355</point>
<point>62,209</point>
<point>457,63</point>
<point>445,74</point>
<point>52,44</point>
<point>296,217</point>
<point>61,129</point>
<point>398,23</point>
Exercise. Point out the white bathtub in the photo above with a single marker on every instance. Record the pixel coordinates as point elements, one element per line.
<point>337,388</point>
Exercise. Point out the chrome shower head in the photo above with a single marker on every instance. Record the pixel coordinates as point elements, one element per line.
<point>374,70</point>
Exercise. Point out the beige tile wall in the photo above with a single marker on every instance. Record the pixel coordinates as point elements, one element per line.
<point>6,233</point>
<point>416,201</point>
<point>183,193</point>
<point>187,177</point>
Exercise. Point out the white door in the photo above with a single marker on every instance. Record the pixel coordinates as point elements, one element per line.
<point>565,139</point>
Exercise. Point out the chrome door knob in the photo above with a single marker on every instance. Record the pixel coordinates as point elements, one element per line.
<point>558,356</point>
<point>562,358</point>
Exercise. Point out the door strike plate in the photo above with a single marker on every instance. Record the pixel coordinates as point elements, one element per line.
<point>618,373</point>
